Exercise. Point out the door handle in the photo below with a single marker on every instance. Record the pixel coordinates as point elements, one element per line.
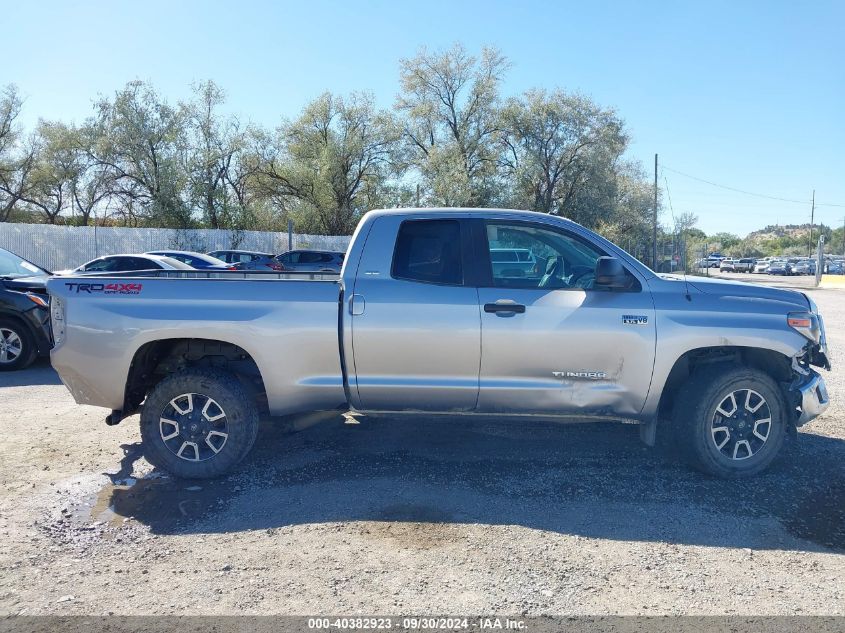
<point>504,307</point>
<point>357,305</point>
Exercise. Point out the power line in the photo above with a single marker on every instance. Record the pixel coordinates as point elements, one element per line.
<point>669,196</point>
<point>750,193</point>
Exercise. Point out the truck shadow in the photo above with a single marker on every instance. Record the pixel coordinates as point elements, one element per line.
<point>594,480</point>
<point>39,373</point>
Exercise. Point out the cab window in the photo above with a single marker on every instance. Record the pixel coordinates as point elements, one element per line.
<point>542,258</point>
<point>429,251</point>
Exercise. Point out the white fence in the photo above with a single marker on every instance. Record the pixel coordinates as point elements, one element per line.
<point>60,247</point>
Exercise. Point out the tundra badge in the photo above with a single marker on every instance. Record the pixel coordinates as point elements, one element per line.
<point>591,375</point>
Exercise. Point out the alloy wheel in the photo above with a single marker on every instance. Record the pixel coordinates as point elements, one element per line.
<point>194,427</point>
<point>11,345</point>
<point>741,424</point>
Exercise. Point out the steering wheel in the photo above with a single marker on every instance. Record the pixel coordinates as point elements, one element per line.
<point>584,280</point>
<point>582,277</point>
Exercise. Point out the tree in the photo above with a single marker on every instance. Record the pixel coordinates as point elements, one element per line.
<point>218,172</point>
<point>55,171</point>
<point>16,161</point>
<point>632,197</point>
<point>141,140</point>
<point>93,185</point>
<point>558,147</point>
<point>449,104</point>
<point>332,163</point>
<point>723,241</point>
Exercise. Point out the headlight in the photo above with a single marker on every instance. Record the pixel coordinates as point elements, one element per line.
<point>57,319</point>
<point>806,323</point>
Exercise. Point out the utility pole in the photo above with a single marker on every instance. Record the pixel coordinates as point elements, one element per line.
<point>812,217</point>
<point>654,219</point>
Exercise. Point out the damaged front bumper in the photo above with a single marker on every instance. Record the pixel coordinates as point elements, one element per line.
<point>812,398</point>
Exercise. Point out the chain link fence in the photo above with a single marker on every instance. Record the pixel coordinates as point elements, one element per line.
<point>61,247</point>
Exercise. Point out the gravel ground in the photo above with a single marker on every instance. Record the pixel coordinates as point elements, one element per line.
<point>432,516</point>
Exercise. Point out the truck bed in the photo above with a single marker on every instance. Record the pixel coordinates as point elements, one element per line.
<point>287,322</point>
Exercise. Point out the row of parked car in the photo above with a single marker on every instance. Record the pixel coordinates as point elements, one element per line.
<point>293,261</point>
<point>772,265</point>
<point>25,307</point>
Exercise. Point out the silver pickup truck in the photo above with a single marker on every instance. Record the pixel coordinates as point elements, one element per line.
<point>420,321</point>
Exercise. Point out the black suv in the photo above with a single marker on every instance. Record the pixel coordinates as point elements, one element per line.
<point>24,312</point>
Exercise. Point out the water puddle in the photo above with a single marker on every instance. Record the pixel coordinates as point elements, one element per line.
<point>161,502</point>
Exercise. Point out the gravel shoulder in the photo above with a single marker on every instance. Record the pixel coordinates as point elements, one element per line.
<point>435,515</point>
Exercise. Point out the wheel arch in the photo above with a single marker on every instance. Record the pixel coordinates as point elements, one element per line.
<point>8,315</point>
<point>156,359</point>
<point>777,365</point>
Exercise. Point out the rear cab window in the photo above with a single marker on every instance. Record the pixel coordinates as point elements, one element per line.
<point>429,251</point>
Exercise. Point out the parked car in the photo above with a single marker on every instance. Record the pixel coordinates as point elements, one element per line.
<point>24,312</point>
<point>761,266</point>
<point>744,265</point>
<point>300,260</point>
<point>199,261</point>
<point>727,265</point>
<point>312,260</point>
<point>127,263</point>
<point>836,267</point>
<point>513,262</point>
<point>420,322</point>
<point>779,267</point>
<point>238,257</point>
<point>804,267</point>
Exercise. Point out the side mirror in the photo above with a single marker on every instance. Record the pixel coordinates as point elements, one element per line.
<point>610,273</point>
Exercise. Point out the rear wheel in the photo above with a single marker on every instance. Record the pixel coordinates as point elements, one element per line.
<point>730,422</point>
<point>198,423</point>
<point>17,347</point>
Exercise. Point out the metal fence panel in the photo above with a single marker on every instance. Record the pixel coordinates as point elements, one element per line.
<point>61,247</point>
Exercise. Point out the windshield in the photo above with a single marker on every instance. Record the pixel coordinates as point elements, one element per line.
<point>175,263</point>
<point>190,258</point>
<point>13,266</point>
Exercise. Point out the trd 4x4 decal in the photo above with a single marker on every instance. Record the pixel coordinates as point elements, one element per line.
<point>106,289</point>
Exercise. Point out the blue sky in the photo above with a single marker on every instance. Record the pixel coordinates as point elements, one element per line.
<point>745,94</point>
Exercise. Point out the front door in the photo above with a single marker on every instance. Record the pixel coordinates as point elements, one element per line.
<point>416,332</point>
<point>551,341</point>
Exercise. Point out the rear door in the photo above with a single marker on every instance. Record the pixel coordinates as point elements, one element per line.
<point>551,341</point>
<point>416,333</point>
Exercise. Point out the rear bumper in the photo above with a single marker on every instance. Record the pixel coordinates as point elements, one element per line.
<point>813,398</point>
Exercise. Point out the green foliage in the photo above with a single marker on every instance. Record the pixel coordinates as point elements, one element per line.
<point>450,140</point>
<point>332,164</point>
<point>140,138</point>
<point>449,102</point>
<point>561,154</point>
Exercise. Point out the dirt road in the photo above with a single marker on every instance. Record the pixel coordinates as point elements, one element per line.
<point>439,515</point>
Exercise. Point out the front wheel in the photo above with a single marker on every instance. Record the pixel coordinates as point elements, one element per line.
<point>730,422</point>
<point>17,347</point>
<point>198,423</point>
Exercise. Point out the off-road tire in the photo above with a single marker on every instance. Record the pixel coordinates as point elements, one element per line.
<point>693,420</point>
<point>241,419</point>
<point>28,350</point>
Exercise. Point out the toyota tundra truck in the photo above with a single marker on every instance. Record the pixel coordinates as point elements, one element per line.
<point>420,320</point>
